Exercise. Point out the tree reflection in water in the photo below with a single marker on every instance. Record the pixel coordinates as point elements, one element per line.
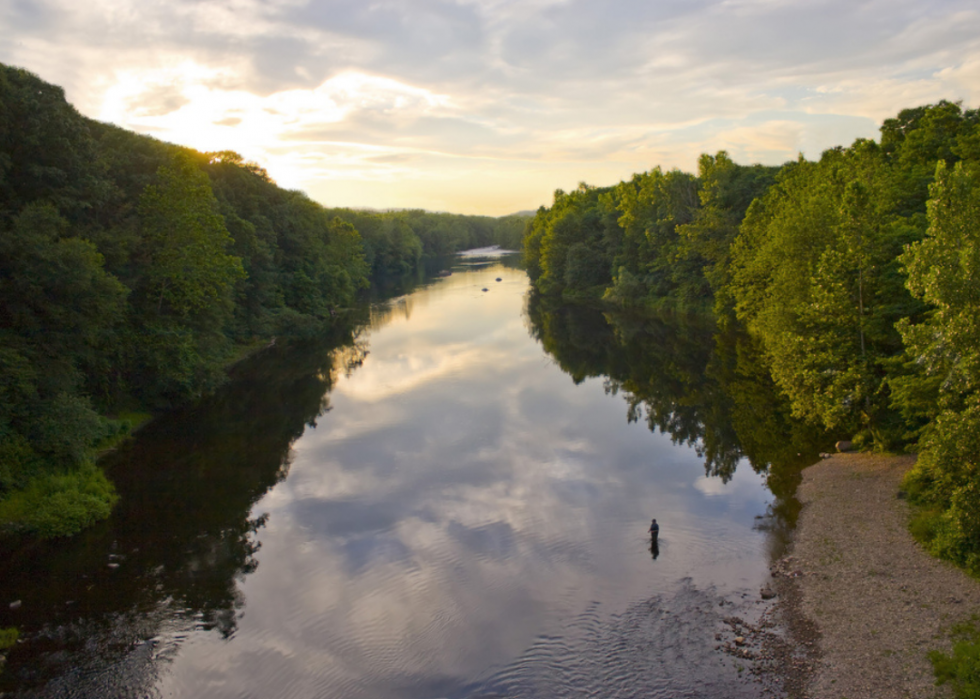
<point>171,557</point>
<point>706,384</point>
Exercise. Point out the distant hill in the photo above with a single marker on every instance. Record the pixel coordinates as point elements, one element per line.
<point>391,210</point>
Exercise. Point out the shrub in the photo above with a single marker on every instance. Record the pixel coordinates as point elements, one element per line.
<point>944,483</point>
<point>59,504</point>
<point>962,668</point>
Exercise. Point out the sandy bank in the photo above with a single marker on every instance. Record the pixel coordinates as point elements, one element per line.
<point>878,601</point>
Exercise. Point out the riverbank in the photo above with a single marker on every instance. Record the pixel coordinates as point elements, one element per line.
<point>858,588</point>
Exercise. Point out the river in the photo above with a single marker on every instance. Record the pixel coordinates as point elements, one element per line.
<point>451,502</point>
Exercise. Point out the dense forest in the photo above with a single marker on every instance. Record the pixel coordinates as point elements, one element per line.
<point>858,275</point>
<point>134,272</point>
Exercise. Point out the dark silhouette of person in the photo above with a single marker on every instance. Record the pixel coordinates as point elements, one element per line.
<point>654,536</point>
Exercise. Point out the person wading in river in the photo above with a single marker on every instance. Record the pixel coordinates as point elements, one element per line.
<point>654,544</point>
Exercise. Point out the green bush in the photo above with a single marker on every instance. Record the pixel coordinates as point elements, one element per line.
<point>944,484</point>
<point>8,637</point>
<point>627,289</point>
<point>962,668</point>
<point>924,525</point>
<point>59,504</point>
<point>18,461</point>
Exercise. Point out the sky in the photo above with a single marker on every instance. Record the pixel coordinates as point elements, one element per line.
<point>488,106</point>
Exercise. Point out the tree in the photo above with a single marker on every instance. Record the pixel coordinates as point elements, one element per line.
<point>567,248</point>
<point>184,297</point>
<point>944,270</point>
<point>652,207</point>
<point>187,273</point>
<point>725,191</point>
<point>46,150</point>
<point>58,308</point>
<point>919,137</point>
<point>814,274</point>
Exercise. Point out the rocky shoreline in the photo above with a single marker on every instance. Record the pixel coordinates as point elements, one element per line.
<point>860,604</point>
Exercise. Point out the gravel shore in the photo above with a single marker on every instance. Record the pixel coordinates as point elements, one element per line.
<point>857,588</point>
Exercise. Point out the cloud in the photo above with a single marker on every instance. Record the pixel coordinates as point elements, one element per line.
<point>470,93</point>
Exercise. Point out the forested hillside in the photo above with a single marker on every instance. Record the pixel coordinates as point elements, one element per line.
<point>132,272</point>
<point>858,274</point>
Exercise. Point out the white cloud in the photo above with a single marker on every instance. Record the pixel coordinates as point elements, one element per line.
<point>492,104</point>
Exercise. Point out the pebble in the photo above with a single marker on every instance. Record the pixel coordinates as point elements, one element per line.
<point>16,605</point>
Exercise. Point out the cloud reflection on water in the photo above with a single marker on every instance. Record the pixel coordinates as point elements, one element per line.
<point>462,498</point>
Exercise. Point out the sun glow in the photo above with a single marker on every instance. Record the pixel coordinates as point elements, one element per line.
<point>190,104</point>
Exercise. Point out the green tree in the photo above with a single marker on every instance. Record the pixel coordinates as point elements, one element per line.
<point>46,150</point>
<point>944,270</point>
<point>187,271</point>
<point>185,294</point>
<point>919,137</point>
<point>567,249</point>
<point>58,308</point>
<point>725,191</point>
<point>531,243</point>
<point>652,207</point>
<point>403,249</point>
<point>814,274</point>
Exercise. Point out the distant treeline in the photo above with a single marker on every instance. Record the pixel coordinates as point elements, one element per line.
<point>859,274</point>
<point>133,272</point>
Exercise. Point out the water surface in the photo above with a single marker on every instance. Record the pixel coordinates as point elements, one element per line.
<point>453,505</point>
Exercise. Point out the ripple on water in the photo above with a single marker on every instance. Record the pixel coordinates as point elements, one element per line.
<point>660,648</point>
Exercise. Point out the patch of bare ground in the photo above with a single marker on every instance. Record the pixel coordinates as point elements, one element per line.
<point>860,592</point>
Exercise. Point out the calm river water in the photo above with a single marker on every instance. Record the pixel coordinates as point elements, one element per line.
<point>455,505</point>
